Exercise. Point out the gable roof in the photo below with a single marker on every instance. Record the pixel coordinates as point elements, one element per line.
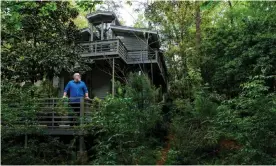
<point>126,29</point>
<point>131,31</point>
<point>102,16</point>
<point>85,30</point>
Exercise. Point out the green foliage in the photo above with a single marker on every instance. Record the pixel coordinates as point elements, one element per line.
<point>250,122</point>
<point>88,5</point>
<point>222,85</point>
<point>38,39</point>
<point>19,108</point>
<point>39,151</point>
<point>233,122</point>
<point>192,128</point>
<point>238,52</point>
<point>126,124</point>
<point>46,90</point>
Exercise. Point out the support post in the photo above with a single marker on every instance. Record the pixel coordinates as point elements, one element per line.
<point>113,34</point>
<point>81,110</point>
<point>151,71</point>
<point>26,141</point>
<point>91,31</point>
<point>113,77</point>
<point>102,29</point>
<point>81,144</point>
<point>118,45</point>
<point>82,154</point>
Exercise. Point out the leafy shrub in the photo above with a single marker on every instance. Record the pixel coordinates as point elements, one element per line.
<point>250,120</point>
<point>126,124</point>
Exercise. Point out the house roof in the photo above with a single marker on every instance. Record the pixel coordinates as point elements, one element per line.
<point>124,30</point>
<point>86,33</point>
<point>102,16</point>
<point>85,30</point>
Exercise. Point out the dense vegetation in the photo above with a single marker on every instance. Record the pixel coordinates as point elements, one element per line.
<point>221,104</point>
<point>222,65</point>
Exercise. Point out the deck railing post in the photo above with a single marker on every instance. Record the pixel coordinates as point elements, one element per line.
<point>81,110</point>
<point>113,77</point>
<point>53,114</point>
<point>81,138</point>
<point>118,45</point>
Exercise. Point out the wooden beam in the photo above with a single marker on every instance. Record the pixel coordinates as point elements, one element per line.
<point>26,141</point>
<point>151,73</point>
<point>81,110</point>
<point>81,144</point>
<point>91,31</point>
<point>102,29</point>
<point>81,141</point>
<point>113,77</point>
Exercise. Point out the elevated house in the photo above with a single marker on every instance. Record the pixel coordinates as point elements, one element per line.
<point>115,51</point>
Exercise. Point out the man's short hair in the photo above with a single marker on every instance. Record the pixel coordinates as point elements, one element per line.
<point>76,74</point>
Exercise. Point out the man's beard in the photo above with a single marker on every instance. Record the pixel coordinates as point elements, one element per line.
<point>77,80</point>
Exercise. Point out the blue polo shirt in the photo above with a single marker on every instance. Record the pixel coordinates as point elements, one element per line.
<point>77,90</point>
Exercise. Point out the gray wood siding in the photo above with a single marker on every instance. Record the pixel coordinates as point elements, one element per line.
<point>133,43</point>
<point>101,83</point>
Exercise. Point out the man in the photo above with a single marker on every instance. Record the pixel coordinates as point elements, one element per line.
<point>78,90</point>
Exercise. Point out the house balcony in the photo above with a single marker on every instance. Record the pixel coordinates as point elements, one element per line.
<point>144,57</point>
<point>103,49</point>
<point>115,48</point>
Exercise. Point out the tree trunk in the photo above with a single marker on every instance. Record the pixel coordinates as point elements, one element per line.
<point>231,17</point>
<point>198,23</point>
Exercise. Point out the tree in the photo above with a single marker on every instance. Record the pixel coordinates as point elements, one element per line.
<point>222,68</point>
<point>38,39</point>
<point>88,5</point>
<point>176,22</point>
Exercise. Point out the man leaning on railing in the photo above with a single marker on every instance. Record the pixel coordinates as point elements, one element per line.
<point>77,90</point>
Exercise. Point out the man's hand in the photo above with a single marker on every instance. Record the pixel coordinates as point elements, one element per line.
<point>86,96</point>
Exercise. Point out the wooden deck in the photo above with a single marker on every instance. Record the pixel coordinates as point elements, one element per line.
<point>115,48</point>
<point>103,49</point>
<point>56,116</point>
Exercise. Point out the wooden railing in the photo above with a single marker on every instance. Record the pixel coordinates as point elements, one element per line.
<point>116,47</point>
<point>145,56</point>
<point>103,48</point>
<point>55,113</point>
<point>161,67</point>
<point>110,48</point>
<point>122,50</point>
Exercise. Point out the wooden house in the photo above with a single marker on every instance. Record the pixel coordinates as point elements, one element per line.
<point>114,51</point>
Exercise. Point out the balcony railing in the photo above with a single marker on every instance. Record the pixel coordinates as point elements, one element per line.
<point>142,56</point>
<point>103,49</point>
<point>52,113</point>
<point>115,48</point>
